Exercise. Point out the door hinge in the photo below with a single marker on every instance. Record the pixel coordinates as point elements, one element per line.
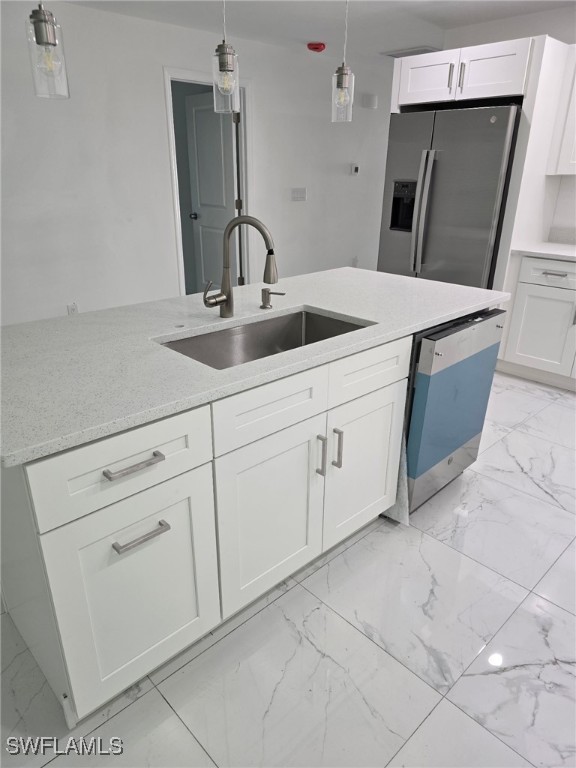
<point>239,204</point>
<point>235,117</point>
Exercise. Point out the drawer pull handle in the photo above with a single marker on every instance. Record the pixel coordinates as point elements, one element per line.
<point>324,441</point>
<point>157,457</point>
<point>551,273</point>
<point>163,527</point>
<point>340,434</point>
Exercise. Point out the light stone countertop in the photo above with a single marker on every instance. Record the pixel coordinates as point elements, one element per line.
<point>545,250</point>
<point>71,380</point>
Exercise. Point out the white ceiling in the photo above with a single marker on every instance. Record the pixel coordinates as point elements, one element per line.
<point>375,25</point>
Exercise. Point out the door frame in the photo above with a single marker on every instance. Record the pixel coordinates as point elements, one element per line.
<point>205,78</point>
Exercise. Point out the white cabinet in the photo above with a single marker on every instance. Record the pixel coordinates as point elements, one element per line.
<point>284,499</point>
<point>129,545</point>
<point>269,497</point>
<point>542,331</point>
<point>362,473</point>
<point>476,72</point>
<point>567,154</point>
<point>134,584</point>
<point>428,77</point>
<point>496,69</point>
<point>72,484</point>
<point>562,160</point>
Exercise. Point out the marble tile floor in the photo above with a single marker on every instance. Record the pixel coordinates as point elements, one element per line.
<point>448,643</point>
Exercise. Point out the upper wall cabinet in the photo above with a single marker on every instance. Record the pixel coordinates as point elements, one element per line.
<point>562,160</point>
<point>476,72</point>
<point>428,77</point>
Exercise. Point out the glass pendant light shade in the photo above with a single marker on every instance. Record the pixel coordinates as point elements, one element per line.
<point>225,77</point>
<point>342,95</point>
<point>343,85</point>
<point>46,49</point>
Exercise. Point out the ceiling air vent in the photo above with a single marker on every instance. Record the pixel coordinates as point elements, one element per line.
<point>410,51</point>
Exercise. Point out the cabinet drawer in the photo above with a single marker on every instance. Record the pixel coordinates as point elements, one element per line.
<point>552,272</point>
<point>248,416</point>
<point>366,372</point>
<point>134,584</point>
<point>73,484</point>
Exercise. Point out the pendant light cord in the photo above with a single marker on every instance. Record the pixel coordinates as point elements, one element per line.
<point>345,33</point>
<point>224,19</point>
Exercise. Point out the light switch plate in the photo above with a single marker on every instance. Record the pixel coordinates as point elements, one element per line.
<point>299,194</point>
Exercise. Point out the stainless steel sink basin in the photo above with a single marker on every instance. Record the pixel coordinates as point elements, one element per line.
<point>243,343</point>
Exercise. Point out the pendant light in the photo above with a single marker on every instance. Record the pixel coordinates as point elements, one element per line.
<point>343,86</point>
<point>47,55</point>
<point>225,74</point>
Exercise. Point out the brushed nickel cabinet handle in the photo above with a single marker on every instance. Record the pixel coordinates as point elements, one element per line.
<point>163,527</point>
<point>552,273</point>
<point>324,441</point>
<point>461,76</point>
<point>157,457</point>
<point>450,75</point>
<point>340,434</point>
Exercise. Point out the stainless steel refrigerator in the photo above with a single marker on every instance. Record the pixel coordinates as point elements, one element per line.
<point>446,178</point>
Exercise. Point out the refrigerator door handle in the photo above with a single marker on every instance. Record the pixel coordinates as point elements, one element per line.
<point>417,204</point>
<point>424,209</point>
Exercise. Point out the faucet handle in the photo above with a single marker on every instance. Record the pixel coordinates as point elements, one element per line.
<point>207,299</point>
<point>215,300</point>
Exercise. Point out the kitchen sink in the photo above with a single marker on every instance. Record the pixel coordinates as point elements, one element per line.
<point>253,341</point>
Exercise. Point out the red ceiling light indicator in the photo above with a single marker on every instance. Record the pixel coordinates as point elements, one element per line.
<point>317,47</point>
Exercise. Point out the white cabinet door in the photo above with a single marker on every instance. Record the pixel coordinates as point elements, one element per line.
<point>496,69</point>
<point>365,438</point>
<point>122,613</point>
<point>269,509</point>
<point>428,77</point>
<point>542,332</point>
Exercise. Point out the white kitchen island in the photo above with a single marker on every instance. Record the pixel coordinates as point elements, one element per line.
<point>147,497</point>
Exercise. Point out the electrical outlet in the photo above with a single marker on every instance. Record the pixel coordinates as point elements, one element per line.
<point>72,308</point>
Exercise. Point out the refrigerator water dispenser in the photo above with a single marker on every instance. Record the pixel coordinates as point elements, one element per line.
<point>403,205</point>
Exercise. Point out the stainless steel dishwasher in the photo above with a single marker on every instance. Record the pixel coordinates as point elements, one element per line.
<point>449,386</point>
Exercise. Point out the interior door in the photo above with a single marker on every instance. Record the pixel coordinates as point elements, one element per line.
<point>466,181</point>
<point>211,159</point>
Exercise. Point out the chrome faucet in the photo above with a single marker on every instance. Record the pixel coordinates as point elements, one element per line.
<point>225,299</point>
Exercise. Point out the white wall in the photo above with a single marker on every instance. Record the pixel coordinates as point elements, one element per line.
<point>563,228</point>
<point>87,190</point>
<point>559,23</point>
